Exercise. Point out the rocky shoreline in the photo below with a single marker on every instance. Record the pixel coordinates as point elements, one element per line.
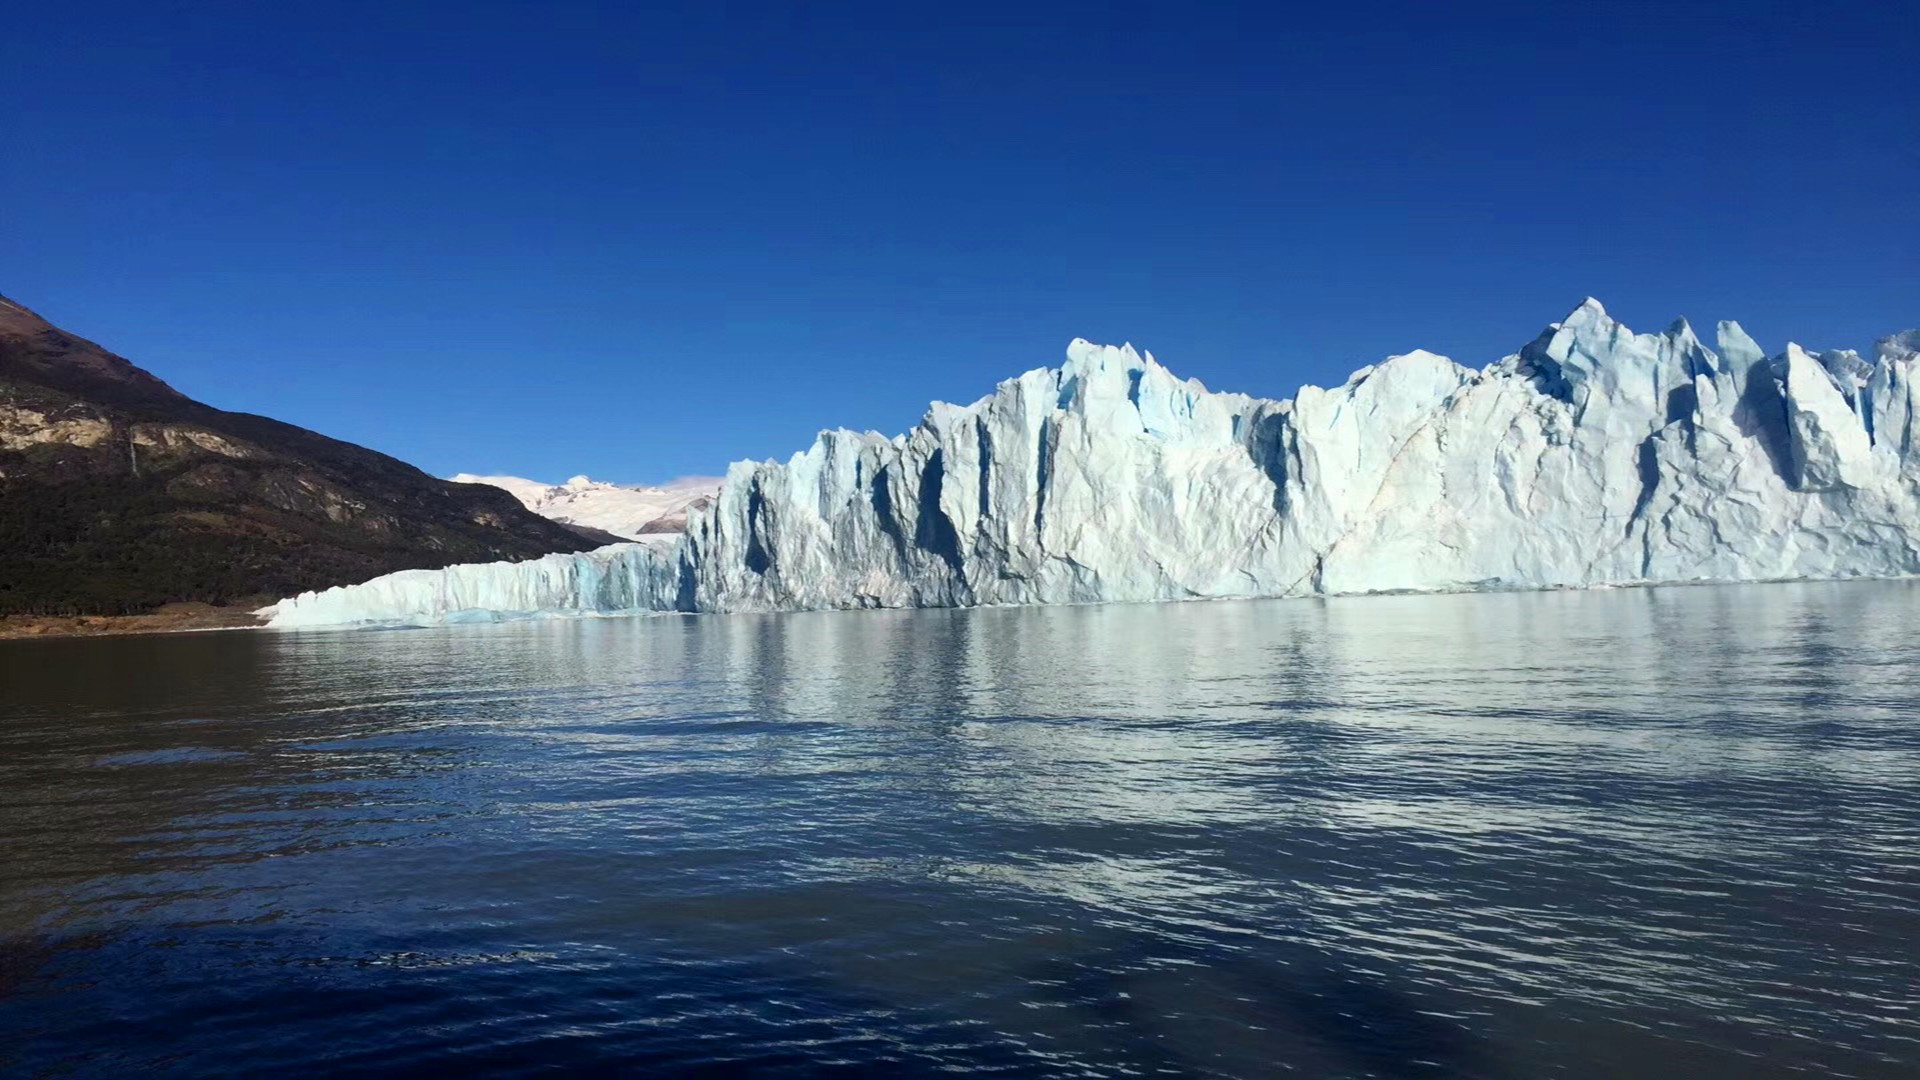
<point>171,618</point>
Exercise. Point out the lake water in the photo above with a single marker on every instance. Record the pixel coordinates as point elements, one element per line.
<point>1668,832</point>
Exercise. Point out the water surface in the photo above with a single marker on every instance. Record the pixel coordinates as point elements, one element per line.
<point>1630,833</point>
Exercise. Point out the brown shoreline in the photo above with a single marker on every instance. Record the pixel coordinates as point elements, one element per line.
<point>171,618</point>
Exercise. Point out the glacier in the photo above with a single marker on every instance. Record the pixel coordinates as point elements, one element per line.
<point>1594,456</point>
<point>630,511</point>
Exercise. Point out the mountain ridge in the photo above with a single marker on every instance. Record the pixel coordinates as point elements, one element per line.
<point>119,494</point>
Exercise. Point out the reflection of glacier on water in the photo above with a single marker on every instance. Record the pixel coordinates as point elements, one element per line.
<point>1628,832</point>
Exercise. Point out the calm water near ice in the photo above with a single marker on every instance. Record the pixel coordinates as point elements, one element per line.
<point>1668,832</point>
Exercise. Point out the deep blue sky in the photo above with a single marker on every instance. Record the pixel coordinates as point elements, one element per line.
<point>640,242</point>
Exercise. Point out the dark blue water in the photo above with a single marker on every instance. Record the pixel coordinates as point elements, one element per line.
<point>1664,832</point>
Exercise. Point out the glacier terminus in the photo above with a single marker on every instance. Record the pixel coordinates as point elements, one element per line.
<point>1593,456</point>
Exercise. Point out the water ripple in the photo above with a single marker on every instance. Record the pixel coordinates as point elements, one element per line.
<point>1634,832</point>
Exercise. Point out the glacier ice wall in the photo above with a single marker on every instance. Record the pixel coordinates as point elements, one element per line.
<point>1593,456</point>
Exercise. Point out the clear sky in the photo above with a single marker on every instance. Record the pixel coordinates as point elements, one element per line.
<point>642,240</point>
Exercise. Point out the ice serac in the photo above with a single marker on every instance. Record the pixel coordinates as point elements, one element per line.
<point>1593,456</point>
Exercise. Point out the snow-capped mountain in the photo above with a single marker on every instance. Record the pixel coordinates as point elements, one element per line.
<point>1592,456</point>
<point>630,511</point>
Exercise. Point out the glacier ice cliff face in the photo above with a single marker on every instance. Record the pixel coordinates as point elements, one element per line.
<point>1593,456</point>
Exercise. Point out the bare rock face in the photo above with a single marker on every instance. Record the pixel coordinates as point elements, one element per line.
<point>118,494</point>
<point>1593,456</point>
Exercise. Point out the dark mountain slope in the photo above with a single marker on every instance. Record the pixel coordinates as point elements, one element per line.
<point>118,493</point>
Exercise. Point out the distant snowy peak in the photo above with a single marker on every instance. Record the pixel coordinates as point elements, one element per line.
<point>631,511</point>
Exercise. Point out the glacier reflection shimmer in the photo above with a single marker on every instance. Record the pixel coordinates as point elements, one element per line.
<point>1659,831</point>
